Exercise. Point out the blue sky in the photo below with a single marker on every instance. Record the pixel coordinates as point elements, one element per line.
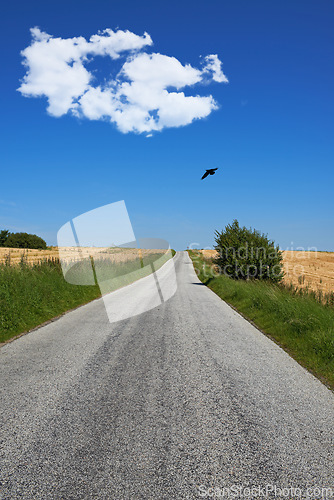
<point>272,136</point>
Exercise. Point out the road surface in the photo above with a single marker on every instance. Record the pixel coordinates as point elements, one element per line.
<point>166,404</point>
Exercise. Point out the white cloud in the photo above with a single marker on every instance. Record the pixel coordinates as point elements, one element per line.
<point>214,66</point>
<point>145,95</point>
<point>157,70</point>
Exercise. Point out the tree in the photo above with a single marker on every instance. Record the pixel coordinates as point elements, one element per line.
<point>4,233</point>
<point>247,254</point>
<point>25,240</point>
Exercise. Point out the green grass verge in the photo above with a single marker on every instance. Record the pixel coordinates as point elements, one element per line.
<point>298,323</point>
<point>32,295</point>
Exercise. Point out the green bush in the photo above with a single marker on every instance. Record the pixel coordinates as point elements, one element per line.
<point>25,240</point>
<point>247,254</point>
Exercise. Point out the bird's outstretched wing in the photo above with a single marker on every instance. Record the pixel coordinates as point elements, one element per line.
<point>205,175</point>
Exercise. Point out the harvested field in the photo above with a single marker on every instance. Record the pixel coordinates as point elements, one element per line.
<point>304,269</point>
<point>13,255</point>
<point>67,254</point>
<point>314,270</point>
<point>209,254</point>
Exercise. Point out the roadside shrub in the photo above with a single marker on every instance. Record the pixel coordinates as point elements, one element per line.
<point>25,240</point>
<point>247,254</point>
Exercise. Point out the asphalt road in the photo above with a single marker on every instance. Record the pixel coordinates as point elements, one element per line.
<point>166,404</point>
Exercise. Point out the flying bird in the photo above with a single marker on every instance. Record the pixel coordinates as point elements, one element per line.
<point>210,171</point>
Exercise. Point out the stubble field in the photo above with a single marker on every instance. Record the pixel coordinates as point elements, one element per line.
<point>304,269</point>
<point>14,256</point>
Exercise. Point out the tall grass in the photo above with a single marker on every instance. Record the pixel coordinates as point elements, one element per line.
<point>298,321</point>
<point>326,298</point>
<point>33,294</point>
